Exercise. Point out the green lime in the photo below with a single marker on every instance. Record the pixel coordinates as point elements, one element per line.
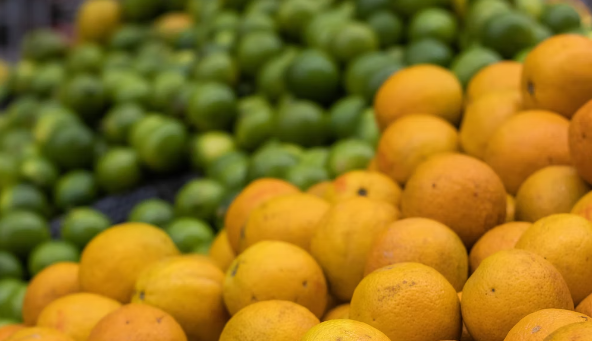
<point>132,89</point>
<point>388,28</point>
<point>352,40</point>
<point>216,67</point>
<point>212,106</point>
<point>85,95</point>
<point>9,170</point>
<point>82,224</point>
<point>271,162</point>
<point>230,170</point>
<point>411,7</point>
<point>21,76</point>
<point>43,44</point>
<point>302,122</point>
<point>294,15</point>
<point>117,61</point>
<point>69,145</point>
<point>429,51</point>
<point>360,70</point>
<point>434,23</point>
<point>39,171</point>
<point>291,148</point>
<point>118,122</point>
<point>10,266</point>
<point>344,116</point>
<point>181,63</point>
<point>508,33</point>
<point>118,170</point>
<point>156,212</point>
<point>366,8</point>
<point>12,293</point>
<point>15,141</point>
<point>348,155</point>
<point>480,12</point>
<point>313,75</point>
<point>561,17</point>
<point>269,7</point>
<point>271,79</point>
<point>75,188</point>
<point>164,88</point>
<point>22,231</point>
<point>87,57</point>
<point>143,128</point>
<point>541,33</point>
<point>304,176</point>
<point>164,149</point>
<point>254,125</point>
<point>533,8</point>
<point>23,112</point>
<point>190,233</point>
<point>321,30</point>
<point>315,157</point>
<point>48,78</point>
<point>255,49</point>
<point>471,61</point>
<point>51,252</point>
<point>148,67</point>
<point>140,10</point>
<point>521,56</point>
<point>225,20</point>
<point>207,147</point>
<point>367,129</point>
<point>128,37</point>
<point>378,77</point>
<point>256,22</point>
<point>223,41</point>
<point>23,197</point>
<point>6,322</point>
<point>199,199</point>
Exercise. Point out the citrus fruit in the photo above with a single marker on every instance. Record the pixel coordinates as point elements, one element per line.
<point>82,224</point>
<point>97,20</point>
<point>301,122</point>
<point>303,176</point>
<point>434,23</point>
<point>580,143</point>
<point>510,208</point>
<point>580,330</point>
<point>360,71</point>
<point>212,106</point>
<point>75,188</point>
<point>313,75</point>
<point>167,285</point>
<point>256,22</point>
<point>8,329</point>
<point>428,51</point>
<point>293,16</point>
<point>345,115</point>
<point>270,80</point>
<point>199,199</point>
<point>53,282</point>
<point>271,161</point>
<point>35,333</point>
<point>517,278</point>
<point>508,33</point>
<point>23,197</point>
<point>339,312</point>
<point>392,298</point>
<point>499,238</point>
<point>43,44</point>
<point>39,171</point>
<point>118,170</point>
<point>585,307</point>
<point>9,170</point>
<point>254,125</point>
<point>86,57</point>
<point>481,11</point>
<point>353,39</point>
<point>10,266</point>
<point>84,94</point>
<point>467,64</point>
<point>139,244</point>
<point>255,49</point>
<point>584,207</point>
<point>118,121</point>
<point>207,147</point>
<point>22,231</point>
<point>230,170</point>
<point>48,79</point>
<point>132,88</point>
<point>367,184</point>
<point>164,149</point>
<point>12,292</point>
<point>561,17</point>
<point>221,252</point>
<point>533,8</point>
<point>538,325</point>
<point>49,253</point>
<point>69,145</point>
<point>344,329</point>
<point>349,154</point>
<point>387,26</point>
<point>190,234</point>
<point>155,212</point>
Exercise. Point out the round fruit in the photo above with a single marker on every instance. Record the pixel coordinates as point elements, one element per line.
<point>85,95</point>
<point>221,252</point>
<point>97,20</point>
<point>10,266</point>
<point>49,253</point>
<point>428,51</point>
<point>348,155</point>
<point>190,235</point>
<point>76,188</point>
<point>212,106</point>
<point>255,49</point>
<point>372,185</point>
<point>301,122</point>
<point>542,323</point>
<point>345,330</point>
<point>508,33</point>
<point>433,23</point>
<point>499,238</point>
<point>561,17</point>
<point>580,144</point>
<point>387,26</point>
<point>199,199</point>
<point>69,145</point>
<point>338,313</point>
<point>155,212</point>
<point>118,170</point>
<point>581,330</point>
<point>468,64</point>
<point>216,67</point>
<point>352,40</point>
<point>22,231</point>
<point>48,334</point>
<point>118,122</point>
<point>39,171</point>
<point>81,225</point>
<point>313,75</point>
<point>23,197</point>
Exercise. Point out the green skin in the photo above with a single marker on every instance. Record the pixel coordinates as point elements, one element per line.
<point>22,231</point>
<point>199,199</point>
<point>82,224</point>
<point>190,234</point>
<point>154,211</point>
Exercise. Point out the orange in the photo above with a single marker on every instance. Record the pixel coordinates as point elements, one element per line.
<point>525,143</point>
<point>189,288</point>
<point>580,141</point>
<point>51,283</point>
<point>422,241</point>
<point>483,116</point>
<point>255,194</point>
<point>269,321</point>
<point>368,184</point>
<point>572,332</point>
<point>412,139</point>
<point>551,190</point>
<point>137,322</point>
<point>8,330</point>
<point>585,307</point>
<point>395,300</point>
<point>344,330</point>
<point>505,288</point>
<point>425,89</point>
<point>77,314</point>
<point>465,336</point>
<point>131,248</point>
<point>459,191</point>
<point>559,235</point>
<point>344,237</point>
<point>499,238</point>
<point>584,207</point>
<point>373,165</point>
<point>538,325</point>
<point>97,20</point>
<point>510,209</point>
<point>221,252</point>
<point>275,270</point>
<point>39,334</point>
<point>339,312</point>
<point>557,74</point>
<point>320,190</point>
<point>501,76</point>
<point>291,218</point>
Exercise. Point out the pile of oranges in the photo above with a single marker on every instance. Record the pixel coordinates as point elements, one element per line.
<point>473,222</point>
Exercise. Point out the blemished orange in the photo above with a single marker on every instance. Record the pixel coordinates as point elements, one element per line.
<point>550,190</point>
<point>525,143</point>
<point>572,332</point>
<point>584,207</point>
<point>77,314</point>
<point>7,330</point>
<point>291,218</point>
<point>131,248</point>
<point>320,190</point>
<point>339,312</point>
<point>483,116</point>
<point>39,333</point>
<point>393,300</point>
<point>255,194</point>
<point>189,288</point>
<point>499,238</point>
<point>498,77</point>
<point>269,321</point>
<point>137,322</point>
<point>580,141</point>
<point>221,252</point>
<point>424,241</point>
<point>510,209</point>
<point>360,183</point>
<point>557,74</point>
<point>519,279</point>
<point>558,235</point>
<point>343,239</point>
<point>51,283</point>
<point>412,139</point>
<point>585,307</point>
<point>426,89</point>
<point>459,191</point>
<point>275,270</point>
<point>538,325</point>
<point>344,330</point>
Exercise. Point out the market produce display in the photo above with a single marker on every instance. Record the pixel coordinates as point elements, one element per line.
<point>360,169</point>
